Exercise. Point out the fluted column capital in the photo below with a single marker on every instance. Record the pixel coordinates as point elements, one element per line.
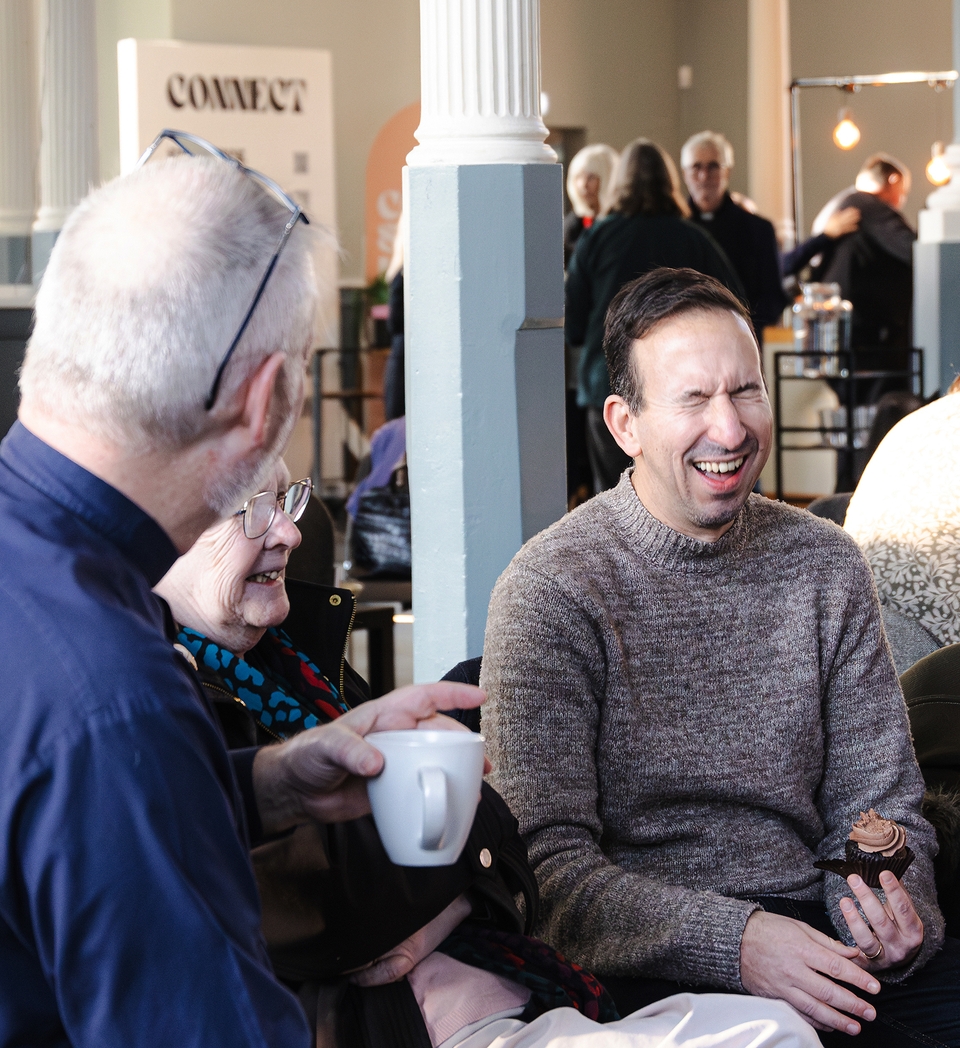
<point>480,84</point>
<point>69,147</point>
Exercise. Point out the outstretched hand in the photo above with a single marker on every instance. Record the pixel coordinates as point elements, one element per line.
<point>894,934</point>
<point>789,960</point>
<point>846,220</point>
<point>321,773</point>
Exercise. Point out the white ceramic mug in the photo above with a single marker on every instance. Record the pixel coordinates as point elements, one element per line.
<point>425,798</point>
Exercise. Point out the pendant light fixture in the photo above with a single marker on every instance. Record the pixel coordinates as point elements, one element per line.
<point>937,171</point>
<point>846,134</point>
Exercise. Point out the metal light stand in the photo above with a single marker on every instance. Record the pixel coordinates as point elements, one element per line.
<point>852,84</point>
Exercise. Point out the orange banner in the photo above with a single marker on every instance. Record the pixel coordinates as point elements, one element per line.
<point>383,186</point>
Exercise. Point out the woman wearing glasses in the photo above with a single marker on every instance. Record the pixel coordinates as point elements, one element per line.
<point>229,599</point>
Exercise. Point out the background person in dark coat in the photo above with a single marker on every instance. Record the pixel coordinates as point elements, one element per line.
<point>647,228</point>
<point>588,186</point>
<point>589,179</point>
<point>747,240</point>
<point>874,265</point>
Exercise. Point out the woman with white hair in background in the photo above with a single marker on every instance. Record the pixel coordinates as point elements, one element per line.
<point>589,177</point>
<point>588,184</point>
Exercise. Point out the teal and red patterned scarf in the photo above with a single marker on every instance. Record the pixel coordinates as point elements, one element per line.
<point>281,687</point>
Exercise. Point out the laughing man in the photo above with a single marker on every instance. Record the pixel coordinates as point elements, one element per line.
<point>691,700</point>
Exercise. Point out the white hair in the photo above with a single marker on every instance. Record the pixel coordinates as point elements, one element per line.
<point>599,160</point>
<point>146,288</point>
<point>707,138</point>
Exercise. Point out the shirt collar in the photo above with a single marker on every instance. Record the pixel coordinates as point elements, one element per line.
<point>99,505</point>
<point>710,215</point>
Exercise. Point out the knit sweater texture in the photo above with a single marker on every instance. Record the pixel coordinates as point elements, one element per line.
<point>681,725</point>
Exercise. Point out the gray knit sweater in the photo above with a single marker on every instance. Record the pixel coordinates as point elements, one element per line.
<point>681,725</point>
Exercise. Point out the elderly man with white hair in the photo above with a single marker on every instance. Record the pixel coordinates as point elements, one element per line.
<point>160,385</point>
<point>748,240</point>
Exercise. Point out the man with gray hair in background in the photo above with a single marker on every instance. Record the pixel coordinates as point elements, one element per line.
<point>128,908</point>
<point>748,240</point>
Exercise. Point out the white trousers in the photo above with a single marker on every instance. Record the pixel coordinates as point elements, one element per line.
<point>686,1020</point>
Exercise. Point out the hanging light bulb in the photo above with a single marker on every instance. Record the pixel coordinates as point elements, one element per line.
<point>937,171</point>
<point>846,134</point>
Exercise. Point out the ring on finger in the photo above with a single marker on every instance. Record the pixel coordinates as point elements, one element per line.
<point>874,956</point>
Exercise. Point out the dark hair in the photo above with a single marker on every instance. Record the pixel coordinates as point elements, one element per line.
<point>883,170</point>
<point>642,304</point>
<point>645,182</point>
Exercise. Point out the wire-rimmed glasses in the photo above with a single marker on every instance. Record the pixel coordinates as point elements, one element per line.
<point>260,510</point>
<point>193,145</point>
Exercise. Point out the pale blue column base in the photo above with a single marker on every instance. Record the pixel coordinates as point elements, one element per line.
<point>484,388</point>
<point>42,246</point>
<point>936,312</point>
<point>15,260</point>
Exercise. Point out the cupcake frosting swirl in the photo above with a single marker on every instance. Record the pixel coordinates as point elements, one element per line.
<point>874,834</point>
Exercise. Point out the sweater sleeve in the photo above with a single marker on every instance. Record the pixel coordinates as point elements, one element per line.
<point>544,672</point>
<point>869,758</point>
<point>794,260</point>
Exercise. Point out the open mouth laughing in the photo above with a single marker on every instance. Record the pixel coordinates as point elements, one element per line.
<point>711,466</point>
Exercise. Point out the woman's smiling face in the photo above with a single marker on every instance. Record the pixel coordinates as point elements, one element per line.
<point>231,588</point>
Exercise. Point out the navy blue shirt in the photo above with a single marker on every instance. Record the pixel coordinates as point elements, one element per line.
<point>129,913</point>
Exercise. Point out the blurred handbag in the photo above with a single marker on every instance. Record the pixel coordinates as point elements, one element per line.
<point>380,532</point>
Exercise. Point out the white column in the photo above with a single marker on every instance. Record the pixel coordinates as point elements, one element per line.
<point>69,149</point>
<point>484,315</point>
<point>768,113</point>
<point>17,140</point>
<point>480,84</point>
<point>936,261</point>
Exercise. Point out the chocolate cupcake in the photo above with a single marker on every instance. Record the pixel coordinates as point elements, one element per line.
<point>876,844</point>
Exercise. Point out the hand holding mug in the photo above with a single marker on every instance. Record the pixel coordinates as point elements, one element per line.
<point>321,773</point>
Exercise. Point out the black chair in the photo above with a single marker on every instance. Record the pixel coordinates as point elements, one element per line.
<point>467,672</point>
<point>932,690</point>
<point>831,507</point>
<point>313,561</point>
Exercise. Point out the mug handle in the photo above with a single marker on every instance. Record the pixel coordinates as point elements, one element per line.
<point>433,786</point>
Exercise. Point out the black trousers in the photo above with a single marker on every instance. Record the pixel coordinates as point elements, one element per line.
<point>923,1010</point>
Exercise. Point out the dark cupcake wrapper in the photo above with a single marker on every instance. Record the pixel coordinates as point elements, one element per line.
<point>868,866</point>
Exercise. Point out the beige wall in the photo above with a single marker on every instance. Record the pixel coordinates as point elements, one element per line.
<point>869,36</point>
<point>712,38</point>
<point>117,20</point>
<point>609,66</point>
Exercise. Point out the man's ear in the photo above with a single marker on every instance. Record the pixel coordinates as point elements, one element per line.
<point>258,401</point>
<point>622,424</point>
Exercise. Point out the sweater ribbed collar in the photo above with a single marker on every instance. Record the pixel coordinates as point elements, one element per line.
<point>654,540</point>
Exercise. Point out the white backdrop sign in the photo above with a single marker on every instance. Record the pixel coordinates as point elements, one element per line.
<point>271,107</point>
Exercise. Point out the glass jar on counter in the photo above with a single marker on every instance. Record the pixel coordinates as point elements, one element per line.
<point>821,329</point>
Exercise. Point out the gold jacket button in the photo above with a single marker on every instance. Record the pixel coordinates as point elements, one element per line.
<point>336,600</point>
<point>486,859</point>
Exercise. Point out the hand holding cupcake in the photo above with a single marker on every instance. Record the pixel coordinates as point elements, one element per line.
<point>875,844</point>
